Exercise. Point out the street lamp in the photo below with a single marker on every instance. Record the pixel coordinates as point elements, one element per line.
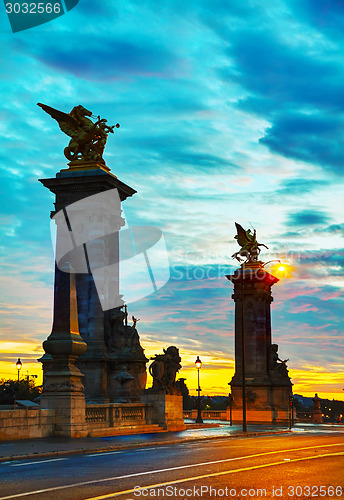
<point>243,357</point>
<point>18,365</point>
<point>198,364</point>
<point>230,400</point>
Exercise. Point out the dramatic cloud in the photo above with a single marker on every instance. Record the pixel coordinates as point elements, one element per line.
<point>307,218</point>
<point>295,82</point>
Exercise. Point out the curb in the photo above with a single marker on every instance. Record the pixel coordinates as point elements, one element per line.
<point>84,451</point>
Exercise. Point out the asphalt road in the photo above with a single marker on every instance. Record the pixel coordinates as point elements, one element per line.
<point>290,466</point>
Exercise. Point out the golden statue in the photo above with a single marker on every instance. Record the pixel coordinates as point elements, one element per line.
<point>249,245</point>
<point>88,139</point>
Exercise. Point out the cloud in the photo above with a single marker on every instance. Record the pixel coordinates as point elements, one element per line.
<point>307,218</point>
<point>307,137</point>
<point>109,58</point>
<point>296,186</point>
<point>333,229</point>
<point>293,81</point>
<point>325,257</point>
<point>325,15</point>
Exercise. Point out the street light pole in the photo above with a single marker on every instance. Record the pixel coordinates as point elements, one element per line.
<point>243,358</point>
<point>18,365</point>
<point>230,397</point>
<point>198,364</point>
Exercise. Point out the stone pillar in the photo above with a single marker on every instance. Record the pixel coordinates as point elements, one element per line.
<point>317,415</point>
<point>63,390</point>
<point>73,188</point>
<point>268,385</point>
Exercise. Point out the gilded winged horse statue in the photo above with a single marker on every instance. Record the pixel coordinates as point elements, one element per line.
<point>88,138</point>
<point>249,245</point>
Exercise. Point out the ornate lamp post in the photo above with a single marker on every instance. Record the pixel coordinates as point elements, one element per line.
<point>18,365</point>
<point>198,364</point>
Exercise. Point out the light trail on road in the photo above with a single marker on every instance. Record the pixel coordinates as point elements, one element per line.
<point>286,451</point>
<point>207,476</point>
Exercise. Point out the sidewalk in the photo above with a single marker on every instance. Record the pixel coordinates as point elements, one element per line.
<point>48,447</point>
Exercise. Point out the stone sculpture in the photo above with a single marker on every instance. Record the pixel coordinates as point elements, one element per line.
<point>164,369</point>
<point>127,362</point>
<point>121,336</point>
<point>249,245</point>
<point>277,366</point>
<point>88,138</point>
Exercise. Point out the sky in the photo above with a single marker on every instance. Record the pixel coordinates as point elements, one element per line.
<point>230,111</point>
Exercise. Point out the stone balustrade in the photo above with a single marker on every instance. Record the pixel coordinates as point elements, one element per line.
<point>207,414</point>
<point>27,423</point>
<point>115,414</point>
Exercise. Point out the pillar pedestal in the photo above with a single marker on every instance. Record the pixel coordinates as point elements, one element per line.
<point>90,228</point>
<point>166,410</point>
<point>268,385</point>
<point>63,390</point>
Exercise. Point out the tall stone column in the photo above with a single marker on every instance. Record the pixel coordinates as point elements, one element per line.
<point>94,249</point>
<point>63,390</point>
<point>268,385</point>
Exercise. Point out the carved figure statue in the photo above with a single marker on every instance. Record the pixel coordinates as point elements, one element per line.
<point>119,335</point>
<point>164,369</point>
<point>88,139</point>
<point>277,366</point>
<point>135,320</point>
<point>249,245</point>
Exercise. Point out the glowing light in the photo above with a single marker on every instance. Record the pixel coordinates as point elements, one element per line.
<point>283,270</point>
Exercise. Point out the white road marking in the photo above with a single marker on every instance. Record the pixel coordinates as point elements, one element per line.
<point>146,449</point>
<point>102,454</point>
<point>137,474</point>
<point>37,463</point>
<point>206,476</point>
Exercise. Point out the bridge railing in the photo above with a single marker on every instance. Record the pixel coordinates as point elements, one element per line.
<point>206,414</point>
<point>107,415</point>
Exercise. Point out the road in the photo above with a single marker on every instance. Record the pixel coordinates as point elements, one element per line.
<point>289,466</point>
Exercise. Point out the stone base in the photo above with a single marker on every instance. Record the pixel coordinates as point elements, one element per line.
<point>260,416</point>
<point>317,417</point>
<point>266,403</point>
<point>86,165</point>
<point>166,411</point>
<point>70,413</point>
<point>267,396</point>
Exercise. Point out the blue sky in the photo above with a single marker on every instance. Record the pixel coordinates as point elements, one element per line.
<point>229,111</point>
